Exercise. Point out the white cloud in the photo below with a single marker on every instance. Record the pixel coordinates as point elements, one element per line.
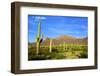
<point>39,17</point>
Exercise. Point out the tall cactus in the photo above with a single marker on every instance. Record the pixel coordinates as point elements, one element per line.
<point>50,47</point>
<point>64,46</point>
<point>38,38</point>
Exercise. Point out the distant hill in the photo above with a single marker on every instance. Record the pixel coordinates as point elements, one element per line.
<point>86,38</point>
<point>65,39</point>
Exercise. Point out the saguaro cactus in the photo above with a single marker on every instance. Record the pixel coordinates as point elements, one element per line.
<point>38,37</point>
<point>50,46</point>
<point>64,46</point>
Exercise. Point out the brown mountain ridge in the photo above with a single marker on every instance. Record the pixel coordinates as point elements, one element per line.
<point>66,39</point>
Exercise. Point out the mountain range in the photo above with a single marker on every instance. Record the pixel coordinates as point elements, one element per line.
<point>65,39</point>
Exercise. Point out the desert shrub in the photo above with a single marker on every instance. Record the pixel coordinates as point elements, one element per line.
<point>44,50</point>
<point>31,52</point>
<point>84,54</point>
<point>57,56</point>
<point>54,50</point>
<point>38,57</point>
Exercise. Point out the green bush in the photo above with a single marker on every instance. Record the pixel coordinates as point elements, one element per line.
<point>84,54</point>
<point>57,56</point>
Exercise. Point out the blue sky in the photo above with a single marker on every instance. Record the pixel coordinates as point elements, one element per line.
<point>55,26</point>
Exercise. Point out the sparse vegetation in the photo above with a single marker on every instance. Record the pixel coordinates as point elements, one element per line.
<point>58,52</point>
